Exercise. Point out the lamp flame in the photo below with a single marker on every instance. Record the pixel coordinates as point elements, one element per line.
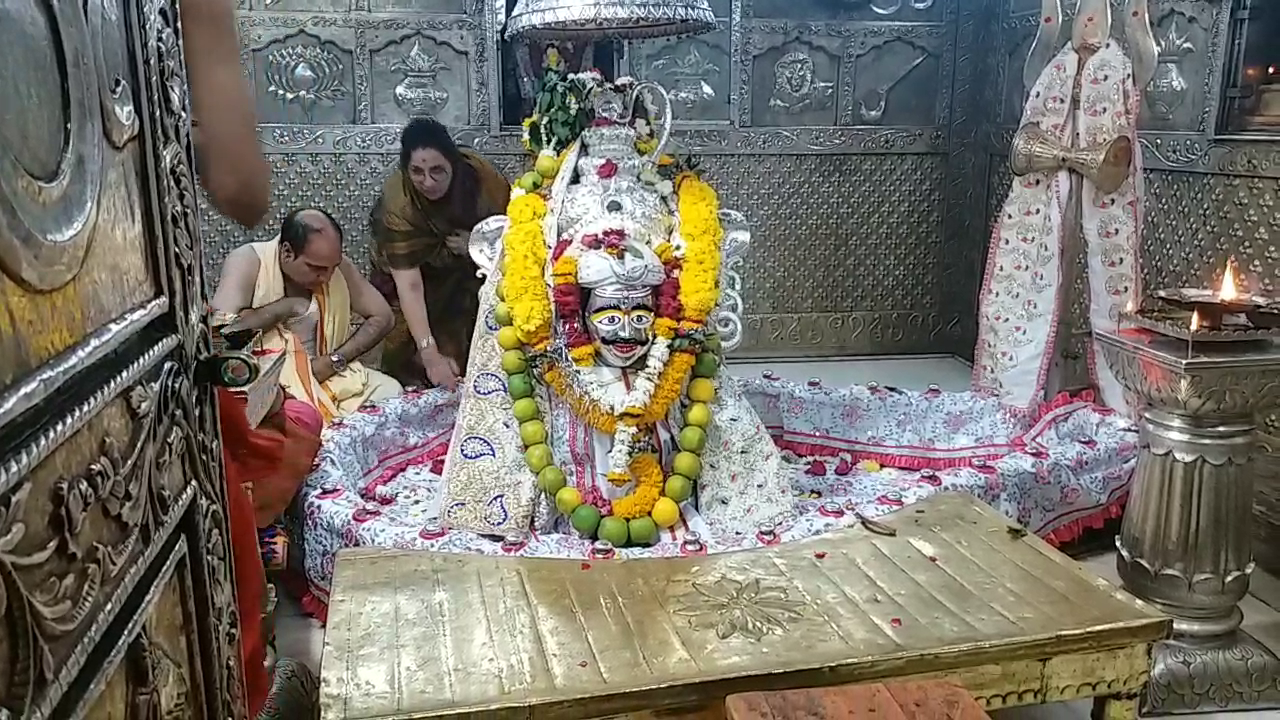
<point>1195,321</point>
<point>1229,290</point>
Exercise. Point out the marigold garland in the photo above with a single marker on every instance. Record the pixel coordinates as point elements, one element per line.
<point>667,391</point>
<point>669,387</point>
<point>647,472</point>
<point>683,303</point>
<point>700,228</point>
<point>582,407</point>
<point>524,254</point>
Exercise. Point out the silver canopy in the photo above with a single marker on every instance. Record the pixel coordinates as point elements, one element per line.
<point>603,19</point>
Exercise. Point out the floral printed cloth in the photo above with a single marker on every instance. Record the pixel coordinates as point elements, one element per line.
<point>862,451</point>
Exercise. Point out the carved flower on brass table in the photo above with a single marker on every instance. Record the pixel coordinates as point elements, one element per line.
<point>307,75</point>
<point>733,607</point>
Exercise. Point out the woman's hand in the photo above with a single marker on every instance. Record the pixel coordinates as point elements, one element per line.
<point>441,371</point>
<point>459,242</point>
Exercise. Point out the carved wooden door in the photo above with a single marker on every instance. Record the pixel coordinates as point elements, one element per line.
<point>115,577</point>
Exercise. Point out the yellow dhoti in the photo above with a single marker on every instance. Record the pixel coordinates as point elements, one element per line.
<point>346,391</point>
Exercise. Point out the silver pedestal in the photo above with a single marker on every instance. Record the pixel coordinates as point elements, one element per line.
<point>1184,545</point>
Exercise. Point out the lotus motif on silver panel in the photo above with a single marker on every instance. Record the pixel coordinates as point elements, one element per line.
<point>305,75</point>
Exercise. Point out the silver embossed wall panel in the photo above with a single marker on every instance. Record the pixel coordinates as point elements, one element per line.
<point>849,270</point>
<point>1208,196</point>
<point>831,124</point>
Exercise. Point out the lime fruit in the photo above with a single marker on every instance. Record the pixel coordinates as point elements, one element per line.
<point>550,479</point>
<point>514,362</point>
<point>502,316</point>
<point>643,531</point>
<point>525,409</point>
<point>538,457</point>
<point>698,414</point>
<point>692,438</point>
<point>529,182</point>
<point>499,292</point>
<point>678,488</point>
<point>547,165</point>
<point>613,529</point>
<point>508,339</point>
<point>700,389</point>
<point>665,512</point>
<point>687,464</point>
<point>706,366</point>
<point>585,519</point>
<point>568,500</point>
<point>519,386</point>
<point>712,343</point>
<point>533,432</point>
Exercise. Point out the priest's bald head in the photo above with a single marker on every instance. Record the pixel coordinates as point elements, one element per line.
<point>310,247</point>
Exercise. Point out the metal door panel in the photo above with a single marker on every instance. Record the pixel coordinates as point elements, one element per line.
<point>109,455</point>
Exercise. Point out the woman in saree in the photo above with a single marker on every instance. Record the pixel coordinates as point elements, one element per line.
<point>420,227</point>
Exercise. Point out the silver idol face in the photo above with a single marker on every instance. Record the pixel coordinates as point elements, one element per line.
<point>620,323</point>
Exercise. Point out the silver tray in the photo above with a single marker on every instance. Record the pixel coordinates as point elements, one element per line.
<point>1179,329</point>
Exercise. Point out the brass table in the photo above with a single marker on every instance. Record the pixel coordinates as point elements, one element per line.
<point>957,593</point>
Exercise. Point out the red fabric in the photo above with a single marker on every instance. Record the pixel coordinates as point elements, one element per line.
<point>279,459</point>
<point>244,454</point>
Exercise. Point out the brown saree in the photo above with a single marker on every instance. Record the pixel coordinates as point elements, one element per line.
<point>409,232</point>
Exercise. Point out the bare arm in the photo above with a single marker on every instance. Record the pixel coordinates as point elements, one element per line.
<point>413,304</point>
<point>234,295</point>
<point>369,304</point>
<point>232,167</point>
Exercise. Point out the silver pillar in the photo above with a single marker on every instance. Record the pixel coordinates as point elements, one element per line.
<point>1184,545</point>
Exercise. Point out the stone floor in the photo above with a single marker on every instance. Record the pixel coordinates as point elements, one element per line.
<point>301,638</point>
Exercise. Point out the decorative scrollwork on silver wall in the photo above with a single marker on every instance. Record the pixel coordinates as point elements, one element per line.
<point>188,407</point>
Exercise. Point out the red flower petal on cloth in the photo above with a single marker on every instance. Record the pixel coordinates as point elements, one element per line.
<point>607,169</point>
<point>820,554</point>
<point>586,566</point>
<point>895,622</point>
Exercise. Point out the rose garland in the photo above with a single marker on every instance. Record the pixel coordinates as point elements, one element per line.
<point>682,353</point>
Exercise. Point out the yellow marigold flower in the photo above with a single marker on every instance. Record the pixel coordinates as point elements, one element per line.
<point>525,254</point>
<point>700,227</point>
<point>584,355</point>
<point>526,209</point>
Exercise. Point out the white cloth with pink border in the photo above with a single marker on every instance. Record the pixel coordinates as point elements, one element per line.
<point>1022,290</point>
<point>378,479</point>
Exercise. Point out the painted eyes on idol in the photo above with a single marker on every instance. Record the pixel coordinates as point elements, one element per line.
<point>615,318</point>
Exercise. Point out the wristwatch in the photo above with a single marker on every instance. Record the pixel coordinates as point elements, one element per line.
<point>338,362</point>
